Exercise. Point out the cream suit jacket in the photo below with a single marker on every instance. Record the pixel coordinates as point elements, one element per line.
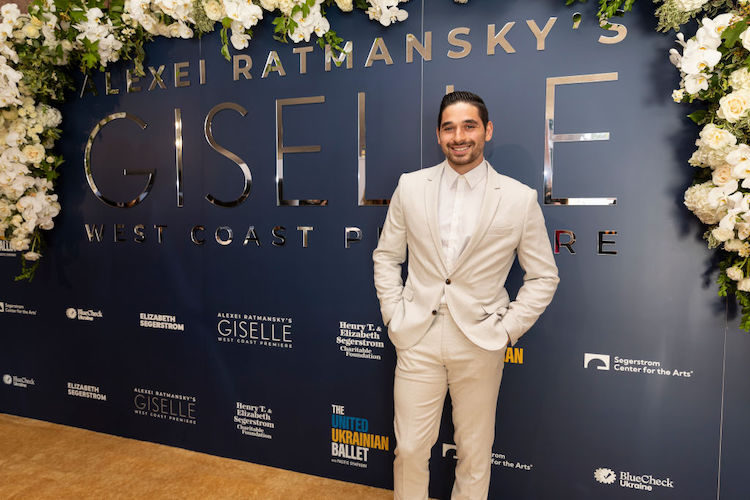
<point>510,223</point>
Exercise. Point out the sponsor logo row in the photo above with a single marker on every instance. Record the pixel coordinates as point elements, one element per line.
<point>353,441</point>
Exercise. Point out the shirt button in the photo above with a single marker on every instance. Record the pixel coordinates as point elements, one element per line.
<point>434,312</point>
<point>448,281</point>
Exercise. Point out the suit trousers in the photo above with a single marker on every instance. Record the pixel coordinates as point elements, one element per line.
<point>445,360</point>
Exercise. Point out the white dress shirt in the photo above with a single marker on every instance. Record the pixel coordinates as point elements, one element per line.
<point>459,205</point>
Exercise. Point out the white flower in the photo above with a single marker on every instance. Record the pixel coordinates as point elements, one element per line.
<point>176,9</point>
<point>688,5</point>
<point>734,105</point>
<point>269,5</point>
<point>675,58</point>
<point>31,31</point>
<point>239,39</point>
<point>716,137</point>
<point>32,255</point>
<point>678,95</point>
<point>214,10</point>
<point>244,11</point>
<point>314,22</point>
<point>698,57</point>
<point>740,79</point>
<point>744,285</point>
<point>386,12</point>
<point>695,83</point>
<point>34,153</point>
<point>722,234</point>
<point>19,244</point>
<point>735,273</point>
<point>712,28</point>
<point>696,200</point>
<point>722,175</point>
<point>345,5</point>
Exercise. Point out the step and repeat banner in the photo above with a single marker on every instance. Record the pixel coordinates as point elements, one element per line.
<point>208,284</point>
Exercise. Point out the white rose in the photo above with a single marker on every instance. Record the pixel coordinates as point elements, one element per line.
<point>214,10</point>
<point>345,5</point>
<point>722,234</point>
<point>269,5</point>
<point>722,175</point>
<point>32,256</point>
<point>34,153</point>
<point>31,31</point>
<point>745,39</point>
<point>696,200</point>
<point>19,244</point>
<point>734,105</point>
<point>688,5</point>
<point>735,273</point>
<point>744,285</point>
<point>740,79</point>
<point>716,137</point>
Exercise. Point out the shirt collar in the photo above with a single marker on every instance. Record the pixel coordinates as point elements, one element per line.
<point>473,176</point>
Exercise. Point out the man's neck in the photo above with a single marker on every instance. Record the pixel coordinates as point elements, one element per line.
<point>464,169</point>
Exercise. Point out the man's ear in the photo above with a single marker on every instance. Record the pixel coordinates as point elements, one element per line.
<point>488,131</point>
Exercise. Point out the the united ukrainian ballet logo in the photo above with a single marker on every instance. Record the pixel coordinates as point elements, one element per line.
<point>605,476</point>
<point>7,379</point>
<point>600,361</point>
<point>70,313</point>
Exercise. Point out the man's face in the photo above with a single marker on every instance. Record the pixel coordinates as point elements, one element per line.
<point>462,135</point>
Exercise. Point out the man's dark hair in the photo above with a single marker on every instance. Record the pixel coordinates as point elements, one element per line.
<point>464,96</point>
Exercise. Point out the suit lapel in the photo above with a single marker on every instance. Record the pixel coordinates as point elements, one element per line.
<point>431,192</point>
<point>490,202</point>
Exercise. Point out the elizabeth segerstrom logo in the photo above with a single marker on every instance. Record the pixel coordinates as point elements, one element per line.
<point>70,313</point>
<point>600,361</point>
<point>7,379</point>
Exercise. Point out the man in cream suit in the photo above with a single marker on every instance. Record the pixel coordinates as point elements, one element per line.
<point>463,225</point>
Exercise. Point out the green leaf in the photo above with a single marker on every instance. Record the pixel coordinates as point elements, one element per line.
<point>698,116</point>
<point>732,33</point>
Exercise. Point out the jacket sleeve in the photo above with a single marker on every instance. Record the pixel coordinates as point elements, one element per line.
<point>540,274</point>
<point>389,256</point>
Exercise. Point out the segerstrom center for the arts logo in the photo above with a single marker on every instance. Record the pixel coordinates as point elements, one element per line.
<point>606,362</point>
<point>254,329</point>
<point>165,405</point>
<point>8,308</point>
<point>625,479</point>
<point>351,440</point>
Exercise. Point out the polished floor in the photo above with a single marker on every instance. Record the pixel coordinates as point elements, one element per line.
<point>41,460</point>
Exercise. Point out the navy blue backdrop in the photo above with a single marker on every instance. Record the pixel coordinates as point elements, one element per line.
<point>253,331</point>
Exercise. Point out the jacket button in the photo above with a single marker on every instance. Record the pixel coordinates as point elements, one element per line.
<point>448,281</point>
<point>434,312</point>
